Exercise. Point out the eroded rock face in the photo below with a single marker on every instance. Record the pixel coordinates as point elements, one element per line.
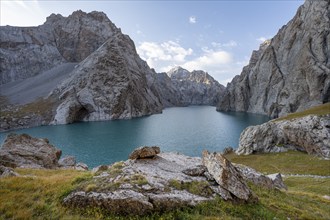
<point>179,87</point>
<point>310,134</point>
<point>22,150</point>
<point>289,73</point>
<point>144,152</point>
<point>27,51</point>
<point>110,84</point>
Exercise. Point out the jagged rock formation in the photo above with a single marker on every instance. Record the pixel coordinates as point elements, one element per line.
<point>24,151</point>
<point>27,51</point>
<point>179,87</point>
<point>289,73</point>
<point>310,134</point>
<point>28,152</point>
<point>111,83</point>
<point>162,183</point>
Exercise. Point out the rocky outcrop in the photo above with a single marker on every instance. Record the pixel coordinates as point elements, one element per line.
<point>310,134</point>
<point>289,73</point>
<point>111,83</point>
<point>7,171</point>
<point>227,176</point>
<point>164,182</point>
<point>22,150</point>
<point>179,87</point>
<point>27,51</point>
<point>144,152</point>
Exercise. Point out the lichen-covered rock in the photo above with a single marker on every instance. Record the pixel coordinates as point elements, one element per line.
<point>22,150</point>
<point>144,152</point>
<point>289,73</point>
<point>267,181</point>
<point>310,134</point>
<point>227,176</point>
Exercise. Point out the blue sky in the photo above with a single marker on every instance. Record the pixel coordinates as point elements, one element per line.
<point>215,36</point>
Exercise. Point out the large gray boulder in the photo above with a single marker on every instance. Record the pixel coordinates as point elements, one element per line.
<point>22,150</point>
<point>310,134</point>
<point>227,176</point>
<point>289,73</point>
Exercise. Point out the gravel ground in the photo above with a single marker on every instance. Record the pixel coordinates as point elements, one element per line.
<point>28,90</point>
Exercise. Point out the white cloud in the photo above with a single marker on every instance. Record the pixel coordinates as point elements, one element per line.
<point>210,59</point>
<point>231,43</point>
<point>12,11</point>
<point>263,39</point>
<point>217,61</point>
<point>162,56</point>
<point>192,20</point>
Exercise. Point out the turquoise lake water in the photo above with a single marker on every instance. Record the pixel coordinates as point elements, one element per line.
<point>187,130</point>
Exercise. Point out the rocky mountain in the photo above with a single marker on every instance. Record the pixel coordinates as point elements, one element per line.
<point>179,87</point>
<point>111,83</point>
<point>289,73</point>
<point>27,51</point>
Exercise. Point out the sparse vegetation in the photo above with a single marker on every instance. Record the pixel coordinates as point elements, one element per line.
<point>317,110</point>
<point>195,187</point>
<point>39,195</point>
<point>291,162</point>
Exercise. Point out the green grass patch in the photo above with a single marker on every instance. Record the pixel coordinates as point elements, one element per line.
<point>309,185</point>
<point>317,110</point>
<point>291,162</point>
<point>195,187</point>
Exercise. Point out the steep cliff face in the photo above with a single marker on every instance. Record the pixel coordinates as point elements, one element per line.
<point>289,73</point>
<point>179,87</point>
<point>27,51</point>
<point>111,83</point>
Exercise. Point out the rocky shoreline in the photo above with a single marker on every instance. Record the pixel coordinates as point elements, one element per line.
<point>149,181</point>
<point>310,134</point>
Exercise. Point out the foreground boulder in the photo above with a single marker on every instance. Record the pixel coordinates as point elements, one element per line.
<point>310,134</point>
<point>22,150</point>
<point>226,175</point>
<point>164,182</point>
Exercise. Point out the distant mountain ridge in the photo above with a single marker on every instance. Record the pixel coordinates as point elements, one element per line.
<point>179,87</point>
<point>289,73</point>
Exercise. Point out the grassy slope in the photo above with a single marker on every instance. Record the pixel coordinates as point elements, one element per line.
<point>39,196</point>
<point>317,110</point>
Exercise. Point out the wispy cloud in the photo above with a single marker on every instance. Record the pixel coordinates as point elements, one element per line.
<point>12,11</point>
<point>263,39</point>
<point>192,19</point>
<point>216,58</point>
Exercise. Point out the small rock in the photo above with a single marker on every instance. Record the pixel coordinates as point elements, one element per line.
<point>68,161</point>
<point>81,166</point>
<point>7,171</point>
<point>326,197</point>
<point>277,181</point>
<point>144,152</point>
<point>227,150</point>
<point>199,170</point>
<point>100,168</point>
